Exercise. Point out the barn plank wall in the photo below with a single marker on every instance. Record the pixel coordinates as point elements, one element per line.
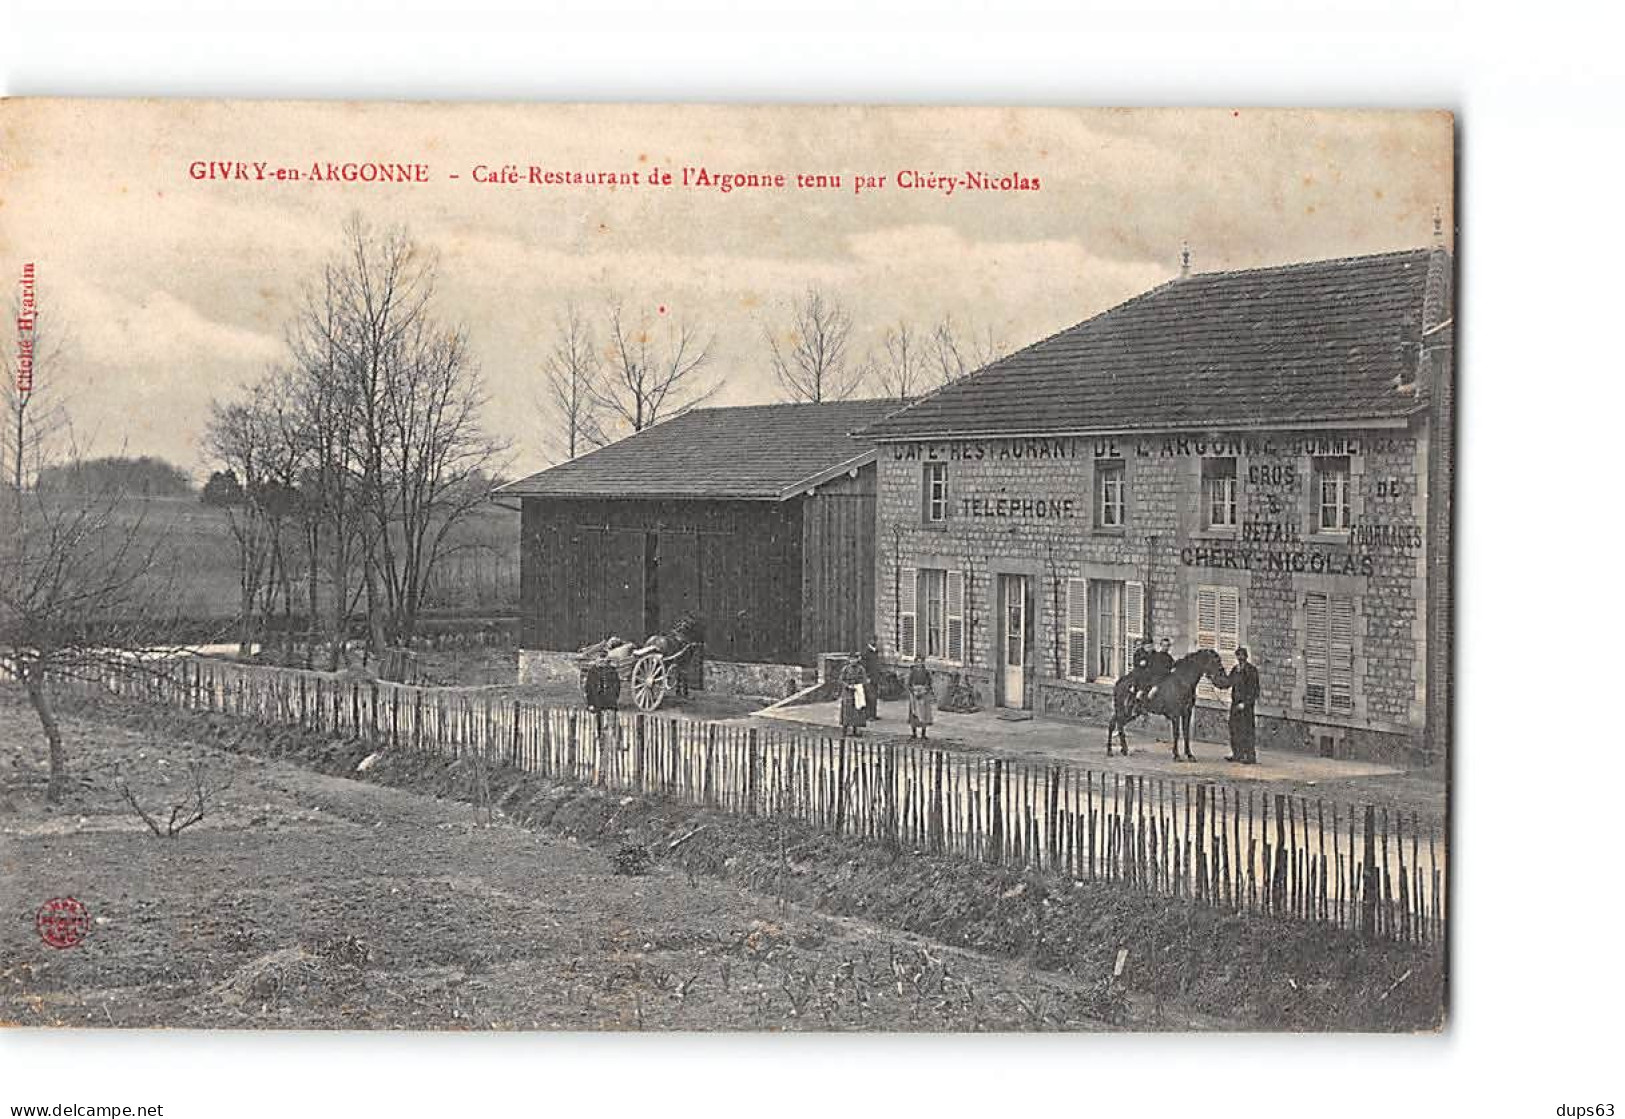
<point>584,569</point>
<point>838,562</point>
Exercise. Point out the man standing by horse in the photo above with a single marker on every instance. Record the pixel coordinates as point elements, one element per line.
<point>1244,690</point>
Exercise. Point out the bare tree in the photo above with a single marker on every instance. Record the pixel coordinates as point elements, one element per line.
<point>184,813</point>
<point>436,468</point>
<point>323,406</point>
<point>906,371</point>
<point>81,585</point>
<point>77,570</point>
<point>652,371</point>
<point>36,415</point>
<point>258,444</point>
<point>384,284</point>
<point>570,377</point>
<point>957,351</point>
<point>380,441</point>
<point>810,353</point>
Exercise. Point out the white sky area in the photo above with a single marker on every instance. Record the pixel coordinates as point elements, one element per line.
<point>171,291</point>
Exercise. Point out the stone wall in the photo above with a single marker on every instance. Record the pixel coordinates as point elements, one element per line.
<point>539,666</point>
<point>774,681</point>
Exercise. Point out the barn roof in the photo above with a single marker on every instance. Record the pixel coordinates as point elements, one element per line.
<point>1319,342</point>
<point>766,452</point>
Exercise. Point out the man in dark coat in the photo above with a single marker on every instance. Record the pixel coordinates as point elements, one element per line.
<point>1244,689</point>
<point>1161,662</point>
<point>1142,657</point>
<point>871,668</point>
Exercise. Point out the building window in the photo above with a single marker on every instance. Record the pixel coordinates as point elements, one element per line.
<point>1332,513</point>
<point>1106,615</point>
<point>931,614</point>
<point>1110,492</point>
<point>1104,621</point>
<point>1219,492</point>
<point>935,493</point>
<point>1328,653</point>
<point>1218,626</point>
<point>1105,618</point>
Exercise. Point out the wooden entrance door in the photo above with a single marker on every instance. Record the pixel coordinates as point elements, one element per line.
<point>1013,640</point>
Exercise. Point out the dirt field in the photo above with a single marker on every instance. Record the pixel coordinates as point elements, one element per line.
<point>305,900</point>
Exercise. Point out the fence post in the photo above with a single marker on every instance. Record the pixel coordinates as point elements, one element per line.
<point>1201,843</point>
<point>996,812</point>
<point>889,777</point>
<point>840,788</point>
<point>639,759</point>
<point>752,772</point>
<point>1371,885</point>
<point>1278,871</point>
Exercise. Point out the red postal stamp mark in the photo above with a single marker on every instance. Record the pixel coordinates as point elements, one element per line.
<point>62,922</point>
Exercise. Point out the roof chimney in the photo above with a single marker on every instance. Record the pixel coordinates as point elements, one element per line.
<point>1184,260</point>
<point>1437,296</point>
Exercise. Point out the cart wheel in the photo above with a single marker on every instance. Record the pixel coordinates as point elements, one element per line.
<point>649,682</point>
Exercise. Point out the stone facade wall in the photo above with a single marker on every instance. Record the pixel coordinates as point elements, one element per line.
<point>1028,507</point>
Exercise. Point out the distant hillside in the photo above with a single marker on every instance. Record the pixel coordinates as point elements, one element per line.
<point>145,476</point>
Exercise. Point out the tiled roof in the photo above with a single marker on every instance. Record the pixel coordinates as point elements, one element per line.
<point>762,453</point>
<point>1316,342</point>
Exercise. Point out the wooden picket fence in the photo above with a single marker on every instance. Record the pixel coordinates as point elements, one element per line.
<point>1379,870</point>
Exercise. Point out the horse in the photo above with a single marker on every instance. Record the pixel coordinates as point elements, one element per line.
<point>1173,697</point>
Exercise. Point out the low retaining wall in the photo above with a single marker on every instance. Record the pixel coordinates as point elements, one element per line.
<point>776,681</point>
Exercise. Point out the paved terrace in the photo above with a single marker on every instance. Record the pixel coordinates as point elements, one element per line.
<point>1054,741</point>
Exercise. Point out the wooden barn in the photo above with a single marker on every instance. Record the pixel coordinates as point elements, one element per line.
<point>760,521</point>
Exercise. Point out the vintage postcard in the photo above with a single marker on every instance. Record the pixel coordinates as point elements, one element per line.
<point>594,567</point>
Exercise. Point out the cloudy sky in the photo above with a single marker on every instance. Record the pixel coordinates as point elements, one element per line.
<point>172,291</point>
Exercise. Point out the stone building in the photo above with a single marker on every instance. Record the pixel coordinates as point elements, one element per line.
<point>1258,458</point>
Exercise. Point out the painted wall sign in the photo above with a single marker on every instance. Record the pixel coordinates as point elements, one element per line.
<point>1311,561</point>
<point>1270,532</point>
<point>1041,449</point>
<point>1055,508</point>
<point>992,450</point>
<point>1398,538</point>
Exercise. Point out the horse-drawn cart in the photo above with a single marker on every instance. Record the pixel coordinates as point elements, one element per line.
<point>652,670</point>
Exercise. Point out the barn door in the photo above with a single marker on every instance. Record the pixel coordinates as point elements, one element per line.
<point>677,564</point>
<point>609,594</point>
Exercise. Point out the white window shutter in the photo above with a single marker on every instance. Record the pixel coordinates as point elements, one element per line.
<point>1207,632</point>
<point>954,608</point>
<point>1133,620</point>
<point>1340,653</point>
<point>1229,637</point>
<point>1207,618</point>
<point>1077,628</point>
<point>906,628</point>
<point>1316,649</point>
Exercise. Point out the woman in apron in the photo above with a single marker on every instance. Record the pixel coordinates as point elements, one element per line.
<point>922,699</point>
<point>854,683</point>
